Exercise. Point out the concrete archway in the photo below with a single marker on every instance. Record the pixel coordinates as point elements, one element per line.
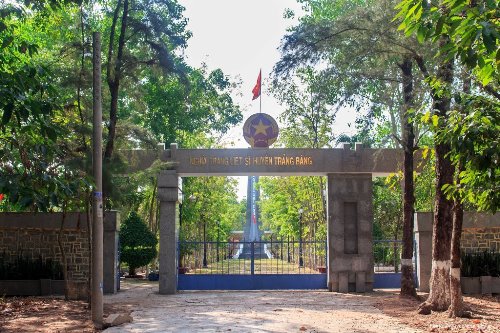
<point>349,210</point>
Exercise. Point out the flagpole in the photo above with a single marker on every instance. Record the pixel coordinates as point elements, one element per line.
<point>260,89</point>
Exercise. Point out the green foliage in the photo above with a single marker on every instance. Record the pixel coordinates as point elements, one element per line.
<point>23,268</point>
<point>472,28</point>
<point>137,242</point>
<point>484,263</point>
<point>202,105</point>
<point>281,199</point>
<point>318,10</point>
<point>474,135</point>
<point>425,184</point>
<point>211,202</point>
<point>46,104</point>
<point>388,206</point>
<point>359,51</point>
<point>37,173</point>
<point>310,111</point>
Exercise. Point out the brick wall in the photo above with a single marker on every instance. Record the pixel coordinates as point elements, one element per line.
<point>480,239</point>
<point>34,243</point>
<point>481,231</point>
<point>35,235</point>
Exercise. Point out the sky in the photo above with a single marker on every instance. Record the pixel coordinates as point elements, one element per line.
<point>241,37</point>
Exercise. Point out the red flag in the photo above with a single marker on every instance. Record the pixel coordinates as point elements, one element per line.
<point>256,89</point>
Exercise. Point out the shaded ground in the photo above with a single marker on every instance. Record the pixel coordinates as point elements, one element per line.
<point>485,311</point>
<point>248,311</point>
<point>37,314</point>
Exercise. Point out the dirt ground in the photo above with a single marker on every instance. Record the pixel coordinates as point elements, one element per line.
<point>37,314</point>
<point>484,310</point>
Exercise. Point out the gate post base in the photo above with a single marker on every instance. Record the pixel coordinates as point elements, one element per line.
<point>167,258</point>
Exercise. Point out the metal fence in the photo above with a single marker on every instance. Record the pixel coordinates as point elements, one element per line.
<point>248,258</point>
<point>387,256</point>
<point>274,257</point>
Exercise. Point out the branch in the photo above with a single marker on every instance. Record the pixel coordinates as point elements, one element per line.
<point>421,65</point>
<point>489,89</point>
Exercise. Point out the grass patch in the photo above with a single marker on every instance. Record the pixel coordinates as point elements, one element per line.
<point>243,266</point>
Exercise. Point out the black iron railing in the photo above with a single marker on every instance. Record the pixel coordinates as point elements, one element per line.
<point>387,256</point>
<point>262,257</point>
<point>274,257</point>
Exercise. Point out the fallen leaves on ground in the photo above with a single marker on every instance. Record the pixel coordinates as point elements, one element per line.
<point>484,310</point>
<point>44,314</point>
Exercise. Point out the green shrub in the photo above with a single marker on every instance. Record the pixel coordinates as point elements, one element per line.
<point>137,243</point>
<point>23,268</point>
<point>484,263</point>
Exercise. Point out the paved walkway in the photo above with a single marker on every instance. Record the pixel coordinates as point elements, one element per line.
<point>250,311</point>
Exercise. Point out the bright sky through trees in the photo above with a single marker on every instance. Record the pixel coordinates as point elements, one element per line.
<point>240,37</point>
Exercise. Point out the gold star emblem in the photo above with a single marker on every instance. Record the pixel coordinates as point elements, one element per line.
<point>260,128</point>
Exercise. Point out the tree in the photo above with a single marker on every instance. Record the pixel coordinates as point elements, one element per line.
<point>369,65</point>
<point>471,30</point>
<point>473,132</point>
<point>137,243</point>
<point>281,199</point>
<point>439,296</point>
<point>149,33</point>
<point>203,105</point>
<point>468,30</point>
<point>310,110</point>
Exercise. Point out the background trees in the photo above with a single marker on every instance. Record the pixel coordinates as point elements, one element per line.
<point>368,66</point>
<point>402,88</point>
<point>153,96</point>
<point>468,32</point>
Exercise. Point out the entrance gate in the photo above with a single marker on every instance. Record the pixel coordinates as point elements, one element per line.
<point>254,265</point>
<point>349,199</point>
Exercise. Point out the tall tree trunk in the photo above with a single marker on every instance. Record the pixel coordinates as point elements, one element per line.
<point>439,296</point>
<point>63,253</point>
<point>457,306</point>
<point>80,80</point>
<point>88,204</point>
<point>114,79</point>
<point>152,208</point>
<point>407,281</point>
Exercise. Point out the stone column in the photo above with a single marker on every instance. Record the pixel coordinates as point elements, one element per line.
<point>110,256</point>
<point>168,196</point>
<point>423,242</point>
<point>350,240</point>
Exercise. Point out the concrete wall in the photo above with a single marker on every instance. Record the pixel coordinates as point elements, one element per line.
<point>481,231</point>
<point>34,235</point>
<point>350,244</point>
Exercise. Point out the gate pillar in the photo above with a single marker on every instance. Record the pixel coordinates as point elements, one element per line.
<point>168,194</point>
<point>350,240</point>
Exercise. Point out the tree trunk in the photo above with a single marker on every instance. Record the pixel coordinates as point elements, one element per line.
<point>407,281</point>
<point>63,254</point>
<point>131,271</point>
<point>88,204</point>
<point>80,81</point>
<point>439,296</point>
<point>114,80</point>
<point>152,208</point>
<point>457,305</point>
